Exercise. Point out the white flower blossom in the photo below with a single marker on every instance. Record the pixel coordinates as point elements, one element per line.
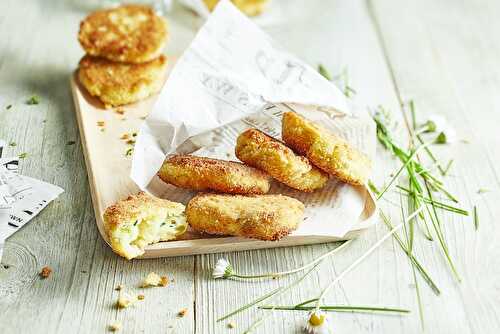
<point>223,269</point>
<point>318,322</point>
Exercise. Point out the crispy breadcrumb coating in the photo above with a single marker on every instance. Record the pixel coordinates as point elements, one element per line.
<point>325,150</point>
<point>121,83</point>
<point>140,220</point>
<point>257,149</point>
<point>265,217</point>
<point>199,173</point>
<point>129,33</point>
<point>249,7</point>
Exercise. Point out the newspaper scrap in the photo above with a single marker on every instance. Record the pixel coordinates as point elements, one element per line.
<point>233,77</point>
<point>21,197</point>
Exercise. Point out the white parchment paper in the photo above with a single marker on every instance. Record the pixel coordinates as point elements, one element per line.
<point>232,77</point>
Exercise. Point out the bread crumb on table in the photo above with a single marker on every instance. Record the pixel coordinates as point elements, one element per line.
<point>182,312</point>
<point>141,297</point>
<point>46,271</point>
<point>153,279</point>
<point>163,281</point>
<point>125,300</point>
<point>115,327</point>
<point>119,287</point>
<point>231,324</point>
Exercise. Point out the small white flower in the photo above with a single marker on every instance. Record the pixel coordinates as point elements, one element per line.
<point>223,269</point>
<point>436,123</point>
<point>318,322</point>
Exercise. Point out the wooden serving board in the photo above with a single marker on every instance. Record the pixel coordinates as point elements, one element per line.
<point>108,169</point>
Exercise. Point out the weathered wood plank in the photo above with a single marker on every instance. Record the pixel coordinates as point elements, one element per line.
<point>336,34</point>
<point>444,55</point>
<point>38,52</point>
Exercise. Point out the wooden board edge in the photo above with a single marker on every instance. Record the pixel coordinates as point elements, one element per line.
<point>92,181</point>
<point>204,245</point>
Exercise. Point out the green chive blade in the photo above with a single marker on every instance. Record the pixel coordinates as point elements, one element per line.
<point>324,72</point>
<point>476,218</point>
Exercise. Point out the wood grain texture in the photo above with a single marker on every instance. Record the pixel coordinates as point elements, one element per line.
<point>338,34</point>
<point>444,54</point>
<point>37,56</point>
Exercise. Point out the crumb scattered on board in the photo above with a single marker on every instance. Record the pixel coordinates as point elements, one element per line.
<point>140,297</point>
<point>182,312</point>
<point>119,287</point>
<point>231,324</point>
<point>163,281</point>
<point>45,273</point>
<point>128,152</point>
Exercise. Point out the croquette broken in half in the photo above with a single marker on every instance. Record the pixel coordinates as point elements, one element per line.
<point>140,220</point>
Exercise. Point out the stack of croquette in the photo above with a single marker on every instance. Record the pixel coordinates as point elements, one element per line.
<point>123,62</point>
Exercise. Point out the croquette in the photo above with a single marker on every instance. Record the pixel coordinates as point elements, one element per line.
<point>249,7</point>
<point>325,150</point>
<point>129,33</point>
<point>121,83</point>
<point>264,217</point>
<point>140,220</point>
<point>203,174</point>
<point>261,151</point>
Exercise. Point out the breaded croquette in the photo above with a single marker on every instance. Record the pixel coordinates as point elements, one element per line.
<point>120,83</point>
<point>129,33</point>
<point>140,220</point>
<point>257,149</point>
<point>199,173</point>
<point>249,7</point>
<point>325,150</point>
<point>265,217</point>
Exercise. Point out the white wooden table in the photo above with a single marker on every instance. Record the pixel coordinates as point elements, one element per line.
<point>443,54</point>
